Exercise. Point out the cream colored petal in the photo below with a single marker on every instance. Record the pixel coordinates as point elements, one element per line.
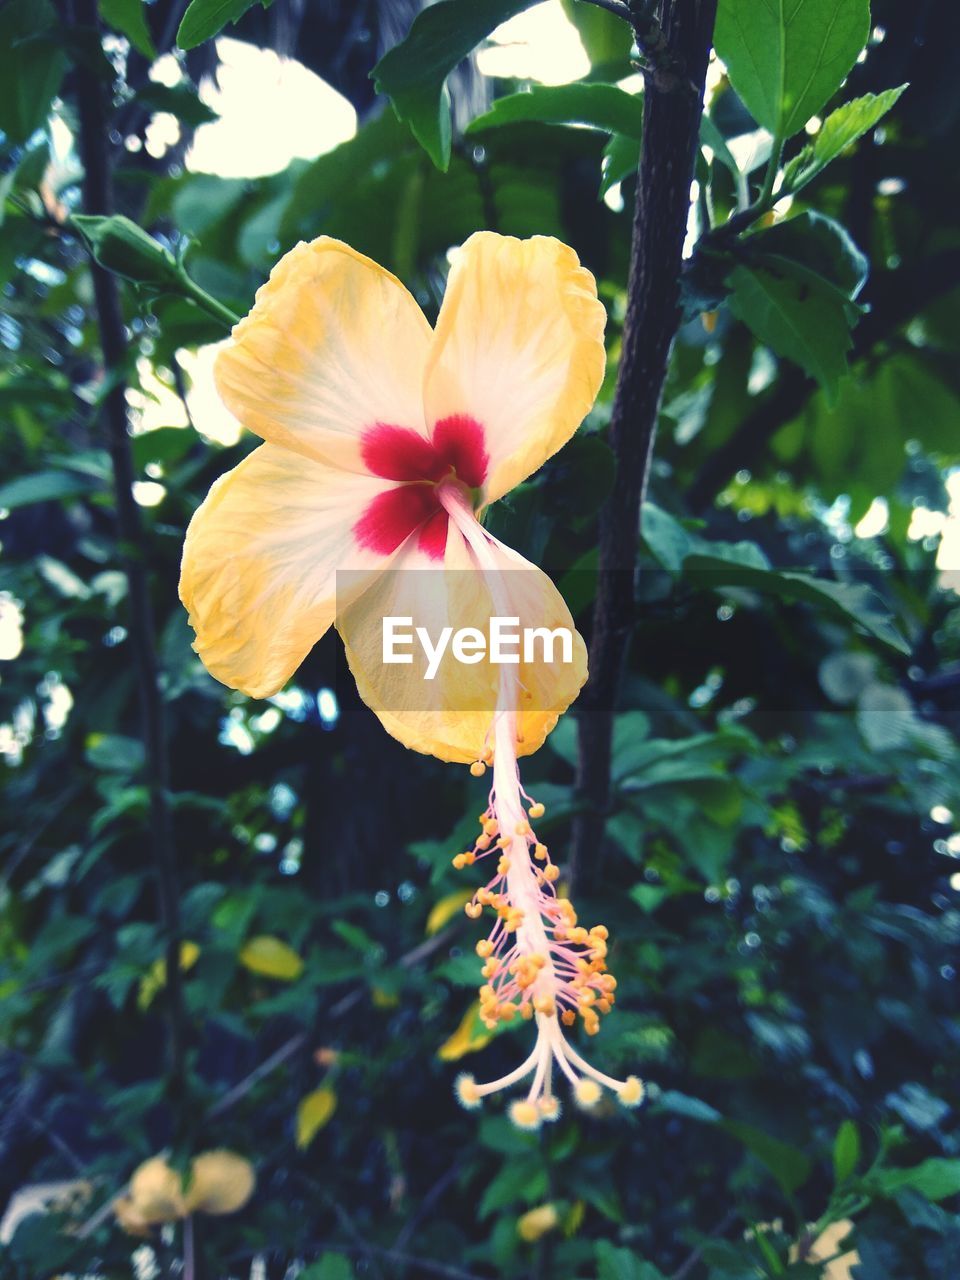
<point>519,348</point>
<point>333,345</point>
<point>260,562</point>
<point>156,1194</point>
<point>451,716</point>
<point>220,1182</point>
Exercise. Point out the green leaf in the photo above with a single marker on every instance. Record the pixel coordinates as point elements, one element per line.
<point>414,72</point>
<point>179,100</point>
<point>32,63</point>
<point>601,106</point>
<point>681,1104</point>
<point>772,1259</point>
<point>606,38</point>
<point>936,1179</point>
<point>787,57</point>
<point>838,131</point>
<point>166,445</point>
<point>790,1166</point>
<point>858,445</point>
<point>205,18</point>
<point>522,1179</point>
<point>37,1246</point>
<point>855,603</point>
<point>846,1151</point>
<point>817,243</point>
<point>130,19</point>
<point>324,183</point>
<point>332,1266</point>
<point>621,156</point>
<point>710,136</point>
<point>649,897</point>
<point>665,537</point>
<point>844,676</point>
<point>45,486</point>
<point>614,1263</point>
<point>886,717</point>
<point>114,753</point>
<point>797,319</point>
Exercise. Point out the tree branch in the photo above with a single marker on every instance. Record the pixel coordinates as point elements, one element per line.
<point>98,199</point>
<point>670,132</point>
<point>618,7</point>
<point>894,297</point>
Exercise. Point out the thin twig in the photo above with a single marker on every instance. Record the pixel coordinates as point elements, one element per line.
<point>352,1230</point>
<point>98,199</point>
<point>56,1141</point>
<point>689,1263</point>
<point>269,1065</point>
<point>427,1203</point>
<point>424,1266</point>
<point>287,1050</point>
<point>406,961</point>
<point>670,140</point>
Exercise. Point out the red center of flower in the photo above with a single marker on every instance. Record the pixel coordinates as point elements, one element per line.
<point>455,450</point>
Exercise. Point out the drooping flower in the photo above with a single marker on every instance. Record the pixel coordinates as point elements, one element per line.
<point>218,1182</point>
<point>384,442</point>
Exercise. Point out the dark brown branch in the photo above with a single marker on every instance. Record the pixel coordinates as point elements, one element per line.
<point>894,298</point>
<point>670,131</point>
<point>98,199</point>
<point>617,7</point>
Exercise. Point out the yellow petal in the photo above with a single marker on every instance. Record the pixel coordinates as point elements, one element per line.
<point>156,1193</point>
<point>220,1182</point>
<point>451,716</point>
<point>827,1246</point>
<point>130,1220</point>
<point>271,958</point>
<point>519,347</point>
<point>333,344</point>
<point>155,979</point>
<point>260,564</point>
<point>537,1222</point>
<point>314,1111</point>
<point>469,1036</point>
<point>444,911</point>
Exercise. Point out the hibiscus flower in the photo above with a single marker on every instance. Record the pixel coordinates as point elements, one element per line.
<point>384,442</point>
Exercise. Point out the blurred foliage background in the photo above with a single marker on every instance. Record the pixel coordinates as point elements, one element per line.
<point>779,871</point>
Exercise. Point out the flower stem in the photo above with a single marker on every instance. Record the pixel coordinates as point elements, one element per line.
<point>206,302</point>
<point>189,1249</point>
